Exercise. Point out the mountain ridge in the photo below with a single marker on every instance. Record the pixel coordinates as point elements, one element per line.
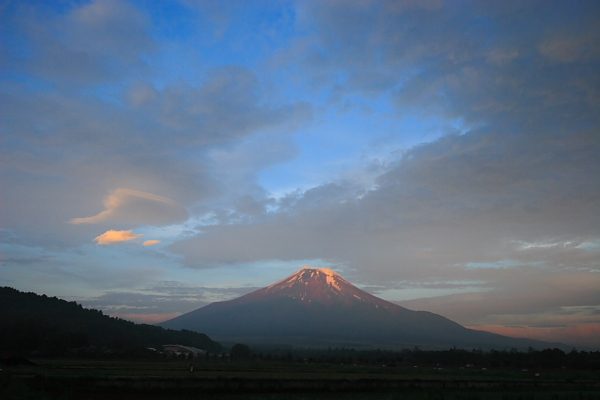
<point>51,326</point>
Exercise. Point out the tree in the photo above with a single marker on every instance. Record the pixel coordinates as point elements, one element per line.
<point>240,351</point>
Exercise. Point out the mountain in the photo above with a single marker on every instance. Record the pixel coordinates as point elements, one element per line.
<point>317,306</point>
<point>50,326</point>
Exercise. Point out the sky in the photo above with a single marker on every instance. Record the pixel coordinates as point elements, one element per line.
<point>157,156</point>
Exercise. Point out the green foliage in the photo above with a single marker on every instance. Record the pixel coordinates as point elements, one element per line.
<point>41,325</point>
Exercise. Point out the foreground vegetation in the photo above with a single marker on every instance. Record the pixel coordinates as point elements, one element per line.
<point>254,379</point>
<point>454,358</point>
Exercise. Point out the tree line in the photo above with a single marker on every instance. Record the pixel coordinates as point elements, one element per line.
<point>48,326</point>
<point>454,357</point>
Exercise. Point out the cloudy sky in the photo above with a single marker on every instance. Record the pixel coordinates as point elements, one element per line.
<point>161,155</point>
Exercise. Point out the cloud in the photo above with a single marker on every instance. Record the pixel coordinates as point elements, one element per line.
<point>102,95</point>
<point>461,199</point>
<point>228,107</point>
<point>516,164</point>
<point>112,237</point>
<point>92,43</point>
<point>521,141</point>
<point>435,60</point>
<point>533,302</point>
<point>106,37</point>
<point>107,120</point>
<point>134,207</point>
<point>149,319</point>
<point>172,145</point>
<point>161,301</point>
<point>516,295</point>
<point>586,335</point>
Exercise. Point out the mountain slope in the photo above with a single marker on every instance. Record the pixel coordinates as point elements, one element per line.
<point>48,325</point>
<point>317,305</point>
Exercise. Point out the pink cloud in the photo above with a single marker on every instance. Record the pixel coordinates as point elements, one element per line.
<point>112,237</point>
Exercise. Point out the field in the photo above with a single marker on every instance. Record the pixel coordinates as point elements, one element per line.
<point>119,379</point>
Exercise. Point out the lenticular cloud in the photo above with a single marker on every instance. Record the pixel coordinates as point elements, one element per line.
<point>138,208</point>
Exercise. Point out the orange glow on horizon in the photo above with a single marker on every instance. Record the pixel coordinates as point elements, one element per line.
<point>582,335</point>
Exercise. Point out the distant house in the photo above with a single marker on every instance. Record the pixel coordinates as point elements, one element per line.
<point>179,349</point>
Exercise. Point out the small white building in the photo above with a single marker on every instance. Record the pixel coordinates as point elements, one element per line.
<point>179,349</point>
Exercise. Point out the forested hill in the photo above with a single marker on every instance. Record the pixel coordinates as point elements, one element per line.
<point>34,324</point>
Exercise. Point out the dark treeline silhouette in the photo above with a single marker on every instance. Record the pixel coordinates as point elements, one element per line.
<point>48,326</point>
<point>240,351</point>
<point>476,358</point>
<point>547,359</point>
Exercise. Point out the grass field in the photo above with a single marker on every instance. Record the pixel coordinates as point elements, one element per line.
<point>118,379</point>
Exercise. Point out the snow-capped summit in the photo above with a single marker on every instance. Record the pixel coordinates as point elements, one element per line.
<point>320,285</point>
<point>306,275</point>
